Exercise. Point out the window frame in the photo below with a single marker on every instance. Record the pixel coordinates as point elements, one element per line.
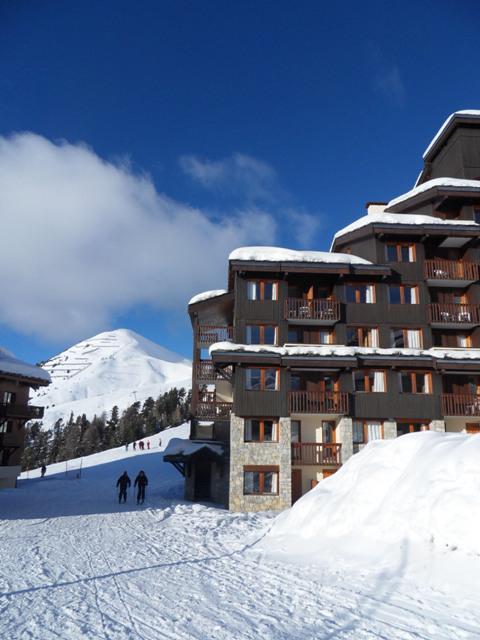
<point>361,332</point>
<point>355,286</point>
<point>364,425</point>
<point>260,283</point>
<point>402,288</point>
<point>262,327</point>
<point>411,423</point>
<point>6,425</point>
<point>405,337</point>
<point>398,249</point>
<point>262,421</point>
<point>413,381</point>
<point>263,377</point>
<point>261,470</point>
<point>366,380</point>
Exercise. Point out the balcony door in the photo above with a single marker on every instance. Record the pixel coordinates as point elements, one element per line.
<point>296,484</point>
<point>328,432</point>
<point>313,382</point>
<point>462,385</point>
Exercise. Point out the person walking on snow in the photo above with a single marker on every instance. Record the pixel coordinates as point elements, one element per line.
<point>43,470</point>
<point>148,444</point>
<point>141,481</point>
<point>141,445</point>
<point>134,446</point>
<point>123,483</point>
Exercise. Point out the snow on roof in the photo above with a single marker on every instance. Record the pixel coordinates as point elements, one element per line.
<point>322,351</point>
<point>278,254</point>
<point>400,218</point>
<point>181,447</point>
<point>472,113</point>
<point>206,295</point>
<point>457,183</point>
<point>10,364</point>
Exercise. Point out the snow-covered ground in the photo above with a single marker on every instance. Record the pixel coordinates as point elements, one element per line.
<point>112,368</point>
<point>74,564</point>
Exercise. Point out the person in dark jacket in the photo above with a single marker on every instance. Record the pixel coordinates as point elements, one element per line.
<point>123,483</point>
<point>43,470</point>
<point>141,481</point>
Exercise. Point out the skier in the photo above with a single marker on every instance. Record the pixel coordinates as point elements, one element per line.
<point>141,445</point>
<point>126,447</point>
<point>43,470</point>
<point>141,480</point>
<point>148,444</point>
<point>159,443</point>
<point>134,446</point>
<point>123,482</point>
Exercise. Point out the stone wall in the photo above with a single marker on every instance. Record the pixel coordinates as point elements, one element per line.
<point>259,453</point>
<point>389,429</point>
<point>437,425</point>
<point>344,436</point>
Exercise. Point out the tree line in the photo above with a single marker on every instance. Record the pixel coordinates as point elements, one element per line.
<point>81,437</point>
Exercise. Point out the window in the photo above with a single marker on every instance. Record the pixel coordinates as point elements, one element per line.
<point>8,397</point>
<point>263,379</point>
<point>261,334</point>
<point>370,381</point>
<point>6,426</point>
<point>415,382</point>
<point>296,431</point>
<point>308,335</point>
<point>410,427</point>
<point>366,431</point>
<point>409,338</point>
<point>360,293</point>
<point>476,215</point>
<point>450,339</point>
<point>262,290</point>
<point>261,430</point>
<point>260,480</point>
<point>362,336</point>
<point>402,294</point>
<point>402,252</point>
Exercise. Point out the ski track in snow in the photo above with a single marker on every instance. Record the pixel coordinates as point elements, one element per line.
<point>75,564</point>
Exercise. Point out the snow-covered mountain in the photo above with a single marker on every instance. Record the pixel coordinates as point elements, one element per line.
<point>112,368</point>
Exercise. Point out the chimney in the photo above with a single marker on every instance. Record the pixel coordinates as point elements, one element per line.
<point>375,207</point>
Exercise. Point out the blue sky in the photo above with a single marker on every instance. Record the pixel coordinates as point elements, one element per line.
<point>214,121</point>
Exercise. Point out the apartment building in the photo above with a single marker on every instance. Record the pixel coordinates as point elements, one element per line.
<point>307,356</point>
<point>16,380</point>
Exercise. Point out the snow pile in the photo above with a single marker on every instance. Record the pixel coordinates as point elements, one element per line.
<point>113,368</point>
<point>453,183</point>
<point>206,295</point>
<point>323,351</point>
<point>10,364</point>
<point>402,218</point>
<point>278,254</point>
<point>419,488</point>
<point>470,113</point>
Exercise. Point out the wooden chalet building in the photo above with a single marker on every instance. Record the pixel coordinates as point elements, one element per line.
<point>307,356</point>
<point>16,380</point>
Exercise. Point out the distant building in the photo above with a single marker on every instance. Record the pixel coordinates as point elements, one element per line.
<point>16,379</point>
<point>307,356</point>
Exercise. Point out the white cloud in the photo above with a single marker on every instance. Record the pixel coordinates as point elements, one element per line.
<point>239,174</point>
<point>84,239</point>
<point>390,83</point>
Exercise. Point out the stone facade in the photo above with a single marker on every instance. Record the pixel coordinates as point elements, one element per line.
<point>438,425</point>
<point>389,429</point>
<point>257,454</point>
<point>344,435</point>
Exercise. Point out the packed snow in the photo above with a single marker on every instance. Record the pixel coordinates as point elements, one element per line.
<point>206,295</point>
<point>112,368</point>
<point>322,351</point>
<point>471,113</point>
<point>10,364</point>
<point>278,254</point>
<point>453,183</point>
<point>79,565</point>
<point>178,446</point>
<point>401,218</point>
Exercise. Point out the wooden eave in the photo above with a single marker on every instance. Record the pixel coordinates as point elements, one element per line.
<point>434,193</point>
<point>442,364</point>
<point>212,308</point>
<point>32,382</point>
<point>334,268</point>
<point>240,357</point>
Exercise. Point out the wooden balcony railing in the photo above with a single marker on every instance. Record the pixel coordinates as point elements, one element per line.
<point>316,453</point>
<point>317,402</point>
<point>210,333</point>
<point>318,309</point>
<point>460,405</point>
<point>213,410</point>
<point>205,371</point>
<point>438,269</point>
<point>449,313</point>
<point>21,411</point>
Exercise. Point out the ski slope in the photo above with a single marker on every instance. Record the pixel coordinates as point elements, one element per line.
<point>112,368</point>
<point>76,565</point>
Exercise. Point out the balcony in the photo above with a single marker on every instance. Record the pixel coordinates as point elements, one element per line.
<point>205,372</point>
<point>21,411</point>
<point>208,334</point>
<point>318,311</point>
<point>460,405</point>
<point>213,410</point>
<point>450,273</point>
<point>318,453</point>
<point>318,402</point>
<point>453,316</point>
